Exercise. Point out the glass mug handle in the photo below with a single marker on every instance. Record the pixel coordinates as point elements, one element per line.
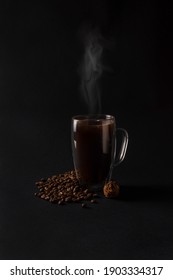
<point>117,159</point>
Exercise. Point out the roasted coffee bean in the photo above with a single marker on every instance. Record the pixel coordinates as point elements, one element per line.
<point>39,194</point>
<point>89,195</point>
<point>63,188</point>
<point>43,180</point>
<point>84,205</point>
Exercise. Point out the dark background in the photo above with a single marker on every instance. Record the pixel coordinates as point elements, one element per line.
<point>40,53</point>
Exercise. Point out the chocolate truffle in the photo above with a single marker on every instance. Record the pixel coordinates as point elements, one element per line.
<point>111,189</point>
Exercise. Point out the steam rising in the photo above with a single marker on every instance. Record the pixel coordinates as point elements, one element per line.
<point>91,72</point>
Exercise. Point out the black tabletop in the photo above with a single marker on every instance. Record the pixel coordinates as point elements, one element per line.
<point>41,52</point>
<point>137,225</point>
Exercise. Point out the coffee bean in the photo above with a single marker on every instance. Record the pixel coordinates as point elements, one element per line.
<point>43,180</point>
<point>61,202</point>
<point>89,195</point>
<point>63,188</point>
<point>84,205</point>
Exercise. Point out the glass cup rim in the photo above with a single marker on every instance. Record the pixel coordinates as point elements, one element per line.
<point>93,117</point>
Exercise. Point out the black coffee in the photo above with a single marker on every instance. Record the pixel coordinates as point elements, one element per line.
<point>93,147</point>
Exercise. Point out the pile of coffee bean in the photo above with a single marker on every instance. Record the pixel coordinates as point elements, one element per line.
<point>64,188</point>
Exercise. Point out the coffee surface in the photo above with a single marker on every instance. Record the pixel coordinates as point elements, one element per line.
<point>93,149</point>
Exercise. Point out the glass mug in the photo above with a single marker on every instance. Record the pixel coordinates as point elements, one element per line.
<point>94,149</point>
